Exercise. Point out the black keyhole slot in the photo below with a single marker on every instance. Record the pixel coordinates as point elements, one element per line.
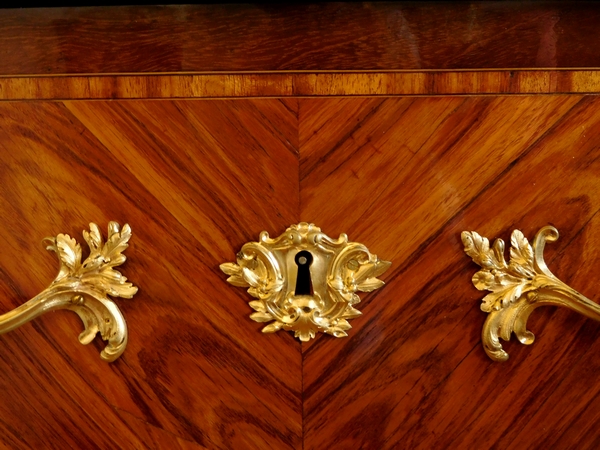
<point>303,260</point>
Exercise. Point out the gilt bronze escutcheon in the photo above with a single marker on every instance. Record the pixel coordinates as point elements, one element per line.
<point>304,281</point>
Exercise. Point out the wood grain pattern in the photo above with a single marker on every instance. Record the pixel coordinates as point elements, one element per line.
<point>416,158</point>
<point>197,179</point>
<point>193,373</point>
<point>408,175</point>
<point>191,177</point>
<point>305,84</point>
<point>333,36</point>
<point>447,131</point>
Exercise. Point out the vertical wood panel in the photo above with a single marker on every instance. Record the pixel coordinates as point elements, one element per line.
<point>412,373</point>
<point>191,178</point>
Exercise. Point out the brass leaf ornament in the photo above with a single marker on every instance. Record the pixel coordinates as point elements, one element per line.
<point>304,281</point>
<point>85,287</point>
<point>518,287</point>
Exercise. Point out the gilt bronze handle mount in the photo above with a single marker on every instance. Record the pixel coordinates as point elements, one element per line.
<point>84,287</point>
<point>518,287</point>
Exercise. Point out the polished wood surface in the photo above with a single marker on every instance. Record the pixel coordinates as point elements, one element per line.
<point>412,373</point>
<point>399,124</point>
<point>194,373</point>
<point>198,178</point>
<point>333,36</point>
<point>305,84</point>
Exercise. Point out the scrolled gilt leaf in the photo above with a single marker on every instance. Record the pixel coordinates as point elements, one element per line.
<point>478,248</point>
<point>112,282</point>
<point>503,298</point>
<point>343,324</point>
<point>85,287</point>
<point>521,255</point>
<point>354,299</point>
<point>511,294</point>
<point>126,290</point>
<point>491,302</point>
<point>306,334</point>
<point>119,289</point>
<point>273,327</point>
<point>63,270</point>
<point>235,272</point>
<point>116,243</point>
<point>113,228</point>
<point>336,332</point>
<point>237,281</point>
<point>93,263</point>
<point>339,328</point>
<point>254,292</point>
<point>257,306</point>
<point>506,282</point>
<point>117,260</point>
<point>370,284</point>
<point>351,313</point>
<point>261,316</point>
<point>93,238</point>
<point>498,249</point>
<point>231,269</point>
<point>277,285</point>
<point>366,276</point>
<point>69,252</point>
<point>372,269</point>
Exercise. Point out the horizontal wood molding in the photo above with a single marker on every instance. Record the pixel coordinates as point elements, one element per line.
<point>291,84</point>
<point>332,36</point>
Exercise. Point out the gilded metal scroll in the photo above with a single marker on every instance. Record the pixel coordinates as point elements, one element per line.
<point>84,287</point>
<point>304,281</point>
<point>519,287</point>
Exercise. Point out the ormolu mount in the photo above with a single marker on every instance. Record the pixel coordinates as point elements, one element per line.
<point>305,281</point>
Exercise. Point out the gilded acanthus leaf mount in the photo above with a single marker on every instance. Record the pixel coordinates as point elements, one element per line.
<point>84,287</point>
<point>518,287</point>
<point>319,296</point>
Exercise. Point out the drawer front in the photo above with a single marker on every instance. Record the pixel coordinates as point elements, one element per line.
<point>401,124</point>
<point>196,179</point>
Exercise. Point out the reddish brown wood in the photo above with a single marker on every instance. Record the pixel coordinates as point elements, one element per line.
<point>422,153</point>
<point>179,174</point>
<point>334,36</point>
<point>197,179</point>
<point>407,176</point>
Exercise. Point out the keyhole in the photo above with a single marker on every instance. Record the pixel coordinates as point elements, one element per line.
<point>303,282</point>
